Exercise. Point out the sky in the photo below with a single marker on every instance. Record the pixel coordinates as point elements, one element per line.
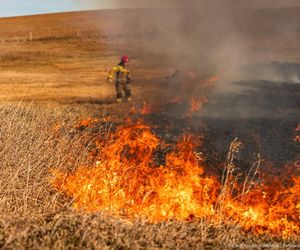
<point>29,7</point>
<point>10,8</point>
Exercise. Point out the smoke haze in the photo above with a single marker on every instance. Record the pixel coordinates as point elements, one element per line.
<point>169,3</point>
<point>211,35</point>
<point>237,40</point>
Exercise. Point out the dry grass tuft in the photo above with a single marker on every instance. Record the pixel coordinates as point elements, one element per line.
<point>31,142</point>
<point>101,231</point>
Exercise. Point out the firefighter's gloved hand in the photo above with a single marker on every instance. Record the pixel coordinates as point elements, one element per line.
<point>110,80</point>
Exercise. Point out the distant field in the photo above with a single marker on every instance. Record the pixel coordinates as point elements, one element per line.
<point>57,66</point>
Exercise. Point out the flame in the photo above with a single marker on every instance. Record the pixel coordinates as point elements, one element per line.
<point>209,82</point>
<point>146,109</point>
<point>89,122</point>
<point>176,100</point>
<point>127,181</point>
<point>196,104</point>
<point>297,137</point>
<point>268,210</point>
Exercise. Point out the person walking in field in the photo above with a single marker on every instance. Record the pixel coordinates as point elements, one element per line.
<point>122,79</point>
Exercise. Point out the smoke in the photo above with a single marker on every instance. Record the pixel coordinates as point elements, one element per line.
<point>169,3</point>
<point>193,33</point>
<point>205,34</point>
<point>197,34</point>
<point>221,37</point>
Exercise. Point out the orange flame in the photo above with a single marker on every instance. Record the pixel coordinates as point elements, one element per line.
<point>126,181</point>
<point>196,104</point>
<point>146,109</point>
<point>297,137</point>
<point>209,82</point>
<point>89,122</point>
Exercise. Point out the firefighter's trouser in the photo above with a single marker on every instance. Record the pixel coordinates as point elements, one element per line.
<point>123,86</point>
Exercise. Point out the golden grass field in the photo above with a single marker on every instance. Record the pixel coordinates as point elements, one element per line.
<point>53,82</point>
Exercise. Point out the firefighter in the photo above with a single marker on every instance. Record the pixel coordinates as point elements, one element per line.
<point>122,79</point>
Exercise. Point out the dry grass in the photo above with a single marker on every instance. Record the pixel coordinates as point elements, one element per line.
<point>70,72</point>
<point>31,144</point>
<point>101,231</point>
<point>59,71</point>
<point>67,70</point>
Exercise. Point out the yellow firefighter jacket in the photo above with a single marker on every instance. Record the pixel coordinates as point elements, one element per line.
<point>120,73</point>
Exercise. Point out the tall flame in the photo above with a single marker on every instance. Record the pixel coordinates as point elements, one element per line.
<point>126,181</point>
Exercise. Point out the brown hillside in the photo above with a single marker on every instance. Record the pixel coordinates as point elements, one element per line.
<point>104,21</point>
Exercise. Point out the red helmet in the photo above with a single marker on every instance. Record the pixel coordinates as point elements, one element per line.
<point>124,59</point>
